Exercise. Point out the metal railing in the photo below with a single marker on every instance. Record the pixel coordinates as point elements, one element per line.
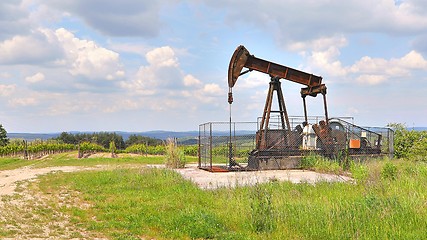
<point>225,145</point>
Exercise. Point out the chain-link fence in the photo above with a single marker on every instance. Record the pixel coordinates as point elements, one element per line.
<point>215,139</point>
<point>242,145</point>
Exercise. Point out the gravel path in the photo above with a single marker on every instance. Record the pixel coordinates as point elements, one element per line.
<point>9,178</point>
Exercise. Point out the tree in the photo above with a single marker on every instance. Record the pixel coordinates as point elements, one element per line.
<point>67,138</point>
<point>138,139</point>
<point>4,140</point>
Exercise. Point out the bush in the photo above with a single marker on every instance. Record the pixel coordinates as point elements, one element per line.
<point>409,144</point>
<point>418,150</point>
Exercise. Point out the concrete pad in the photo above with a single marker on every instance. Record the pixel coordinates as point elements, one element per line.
<point>212,180</point>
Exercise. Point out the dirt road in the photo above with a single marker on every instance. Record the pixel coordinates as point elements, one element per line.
<point>9,178</point>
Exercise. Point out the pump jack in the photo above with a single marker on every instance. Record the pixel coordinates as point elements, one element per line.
<point>278,144</point>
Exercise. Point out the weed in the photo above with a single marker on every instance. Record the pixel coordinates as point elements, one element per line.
<point>198,224</point>
<point>262,211</point>
<point>174,156</point>
<point>360,172</point>
<point>320,164</point>
<point>389,171</point>
<point>308,162</point>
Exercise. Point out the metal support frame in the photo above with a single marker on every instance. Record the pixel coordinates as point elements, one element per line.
<point>275,85</point>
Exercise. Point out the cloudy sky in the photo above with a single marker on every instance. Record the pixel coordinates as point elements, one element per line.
<point>138,65</point>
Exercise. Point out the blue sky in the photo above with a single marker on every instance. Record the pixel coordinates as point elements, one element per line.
<point>138,65</point>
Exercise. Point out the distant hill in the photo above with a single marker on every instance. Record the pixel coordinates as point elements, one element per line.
<point>153,134</point>
<point>161,134</point>
<point>32,136</point>
<point>187,137</point>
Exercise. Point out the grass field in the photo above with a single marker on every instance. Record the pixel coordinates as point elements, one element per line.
<point>387,201</point>
<point>70,159</point>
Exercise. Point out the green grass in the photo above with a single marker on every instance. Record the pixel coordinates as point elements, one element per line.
<point>129,204</point>
<point>70,159</point>
<point>387,201</point>
<point>12,163</point>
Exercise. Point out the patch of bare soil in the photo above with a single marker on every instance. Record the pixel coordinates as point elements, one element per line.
<point>8,178</point>
<point>25,211</point>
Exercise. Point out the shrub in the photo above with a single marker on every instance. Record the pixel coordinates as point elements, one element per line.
<point>409,144</point>
<point>418,150</point>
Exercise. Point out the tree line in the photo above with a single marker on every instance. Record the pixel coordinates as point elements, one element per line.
<point>104,139</point>
<point>408,144</point>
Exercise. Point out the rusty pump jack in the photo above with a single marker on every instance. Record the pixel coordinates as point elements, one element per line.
<point>240,59</point>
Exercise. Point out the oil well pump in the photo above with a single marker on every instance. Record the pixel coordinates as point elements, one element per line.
<point>282,146</point>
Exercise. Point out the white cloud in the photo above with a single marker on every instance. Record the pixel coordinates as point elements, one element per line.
<point>413,60</point>
<point>163,76</point>
<point>367,70</point>
<point>123,104</point>
<point>305,21</point>
<point>88,59</point>
<point>161,73</point>
<point>133,48</point>
<point>7,90</point>
<point>116,18</point>
<point>162,57</point>
<point>23,102</point>
<point>65,104</point>
<point>14,19</point>
<point>318,44</point>
<point>327,61</point>
<point>371,79</point>
<point>35,78</point>
<point>36,48</point>
<point>190,80</point>
<point>213,89</point>
<point>253,79</point>
<point>396,67</point>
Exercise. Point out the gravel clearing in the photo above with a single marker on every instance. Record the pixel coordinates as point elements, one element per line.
<point>213,180</point>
